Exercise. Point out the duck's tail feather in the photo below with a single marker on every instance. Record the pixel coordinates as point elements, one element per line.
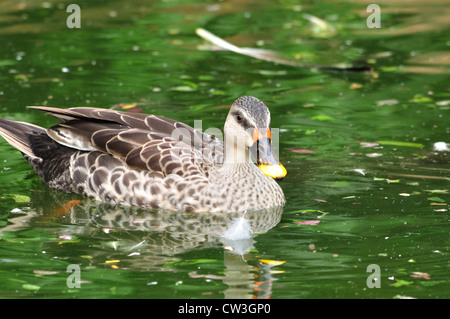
<point>48,158</point>
<point>18,135</point>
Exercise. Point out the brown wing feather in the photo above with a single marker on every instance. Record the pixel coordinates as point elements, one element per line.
<point>143,142</point>
<point>134,136</point>
<point>101,138</point>
<point>134,160</point>
<point>119,148</point>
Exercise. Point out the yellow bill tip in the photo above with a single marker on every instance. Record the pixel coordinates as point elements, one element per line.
<point>275,171</point>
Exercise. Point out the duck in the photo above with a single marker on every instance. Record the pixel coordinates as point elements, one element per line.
<point>149,161</point>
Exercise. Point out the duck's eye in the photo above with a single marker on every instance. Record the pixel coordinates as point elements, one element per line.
<point>239,118</point>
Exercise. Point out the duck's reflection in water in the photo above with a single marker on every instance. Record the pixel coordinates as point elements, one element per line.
<point>154,240</point>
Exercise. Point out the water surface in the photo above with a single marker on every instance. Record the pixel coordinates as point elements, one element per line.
<point>363,185</point>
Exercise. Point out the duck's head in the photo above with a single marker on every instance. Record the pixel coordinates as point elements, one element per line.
<point>248,128</point>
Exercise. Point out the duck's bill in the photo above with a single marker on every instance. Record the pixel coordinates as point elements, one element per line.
<point>276,171</point>
<point>268,163</point>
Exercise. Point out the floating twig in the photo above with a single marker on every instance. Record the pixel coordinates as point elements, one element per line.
<point>270,56</point>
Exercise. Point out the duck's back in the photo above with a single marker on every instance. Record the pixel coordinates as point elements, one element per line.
<point>118,157</point>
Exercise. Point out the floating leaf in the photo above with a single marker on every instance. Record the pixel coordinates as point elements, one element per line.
<point>400,283</point>
<point>431,283</point>
<point>436,191</point>
<point>270,73</point>
<point>45,272</point>
<point>129,106</point>
<point>7,62</point>
<point>300,150</point>
<point>20,198</point>
<point>70,241</point>
<point>369,144</point>
<point>387,102</point>
<point>272,262</point>
<point>309,222</point>
<point>206,77</point>
<point>372,155</point>
<point>201,261</point>
<point>400,143</point>
<point>22,77</point>
<point>322,118</point>
<point>217,92</point>
<point>66,237</point>
<point>436,199</point>
<point>354,86</point>
<point>394,68</point>
<point>306,211</point>
<point>418,274</point>
<point>413,183</point>
<point>419,98</point>
<point>443,103</point>
<point>30,287</point>
<point>405,194</point>
<point>184,88</point>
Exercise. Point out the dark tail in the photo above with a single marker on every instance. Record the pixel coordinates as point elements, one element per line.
<point>18,135</point>
<point>48,158</point>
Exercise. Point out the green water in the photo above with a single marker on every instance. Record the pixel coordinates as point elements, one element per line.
<point>370,192</point>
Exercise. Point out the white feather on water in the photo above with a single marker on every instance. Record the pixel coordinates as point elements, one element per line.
<point>239,228</point>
